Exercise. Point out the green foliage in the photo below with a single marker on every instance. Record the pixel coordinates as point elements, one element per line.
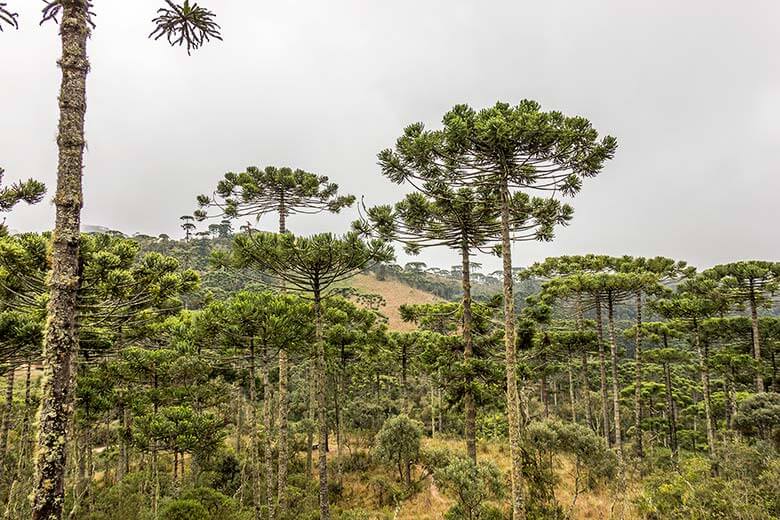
<point>398,443</point>
<point>184,509</point>
<point>745,487</point>
<point>472,485</point>
<point>759,416</point>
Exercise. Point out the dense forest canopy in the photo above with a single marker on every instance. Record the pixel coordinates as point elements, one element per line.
<point>244,373</point>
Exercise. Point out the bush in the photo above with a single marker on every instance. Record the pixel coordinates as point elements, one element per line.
<point>759,417</point>
<point>398,443</point>
<point>746,488</point>
<point>472,485</point>
<point>184,510</point>
<point>356,462</point>
<point>385,491</point>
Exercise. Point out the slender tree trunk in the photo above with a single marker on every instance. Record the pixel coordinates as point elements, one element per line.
<point>433,411</point>
<point>254,466</point>
<point>311,416</point>
<point>670,413</point>
<point>267,447</point>
<point>584,369</point>
<point>7,413</point>
<point>468,352</point>
<point>759,378</point>
<point>603,372</point>
<point>731,402</point>
<point>321,410</point>
<point>704,372</point>
<point>404,386</point>
<point>615,382</point>
<point>283,401</point>
<point>570,375</point>
<point>61,338</point>
<point>543,395</point>
<point>638,378</point>
<point>512,397</point>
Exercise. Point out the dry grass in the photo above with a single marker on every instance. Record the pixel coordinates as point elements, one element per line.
<point>395,294</point>
<point>432,504</point>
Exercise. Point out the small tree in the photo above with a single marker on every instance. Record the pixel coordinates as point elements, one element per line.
<point>473,484</point>
<point>398,443</point>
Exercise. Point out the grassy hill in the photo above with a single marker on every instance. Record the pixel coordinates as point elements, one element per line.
<point>395,293</point>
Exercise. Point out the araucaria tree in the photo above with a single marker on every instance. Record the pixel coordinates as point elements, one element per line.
<point>312,265</point>
<point>182,24</point>
<point>254,193</point>
<point>467,221</point>
<point>30,191</point>
<point>749,284</point>
<point>507,150</point>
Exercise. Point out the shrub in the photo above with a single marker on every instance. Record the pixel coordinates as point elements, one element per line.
<point>184,510</point>
<point>398,443</point>
<point>472,485</point>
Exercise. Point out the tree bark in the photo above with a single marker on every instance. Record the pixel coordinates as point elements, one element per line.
<point>615,382</point>
<point>759,378</point>
<point>283,400</point>
<point>638,378</point>
<point>61,338</point>
<point>512,397</point>
<point>704,372</point>
<point>670,412</point>
<point>254,469</point>
<point>267,447</point>
<point>468,353</point>
<point>7,414</point>
<point>603,373</point>
<point>321,410</point>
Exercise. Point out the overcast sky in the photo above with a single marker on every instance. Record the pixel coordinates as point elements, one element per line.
<point>690,89</point>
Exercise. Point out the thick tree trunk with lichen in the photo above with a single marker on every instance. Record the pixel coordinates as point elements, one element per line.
<point>512,397</point>
<point>638,378</point>
<point>759,378</point>
<point>321,410</point>
<point>61,339</point>
<point>7,414</point>
<point>603,373</point>
<point>468,353</point>
<point>615,382</point>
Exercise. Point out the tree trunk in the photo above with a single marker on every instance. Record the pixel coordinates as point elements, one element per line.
<point>584,376</point>
<point>468,352</point>
<point>321,410</point>
<point>404,387</point>
<point>512,397</point>
<point>638,378</point>
<point>282,440</point>
<point>7,414</point>
<point>310,412</point>
<point>759,378</point>
<point>267,447</point>
<point>704,372</point>
<point>569,373</point>
<point>603,372</point>
<point>283,400</point>
<point>615,382</point>
<point>253,463</point>
<point>670,412</point>
<point>61,338</point>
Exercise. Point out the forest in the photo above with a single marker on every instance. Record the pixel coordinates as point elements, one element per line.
<point>242,371</point>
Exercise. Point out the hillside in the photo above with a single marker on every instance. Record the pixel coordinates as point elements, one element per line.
<point>395,294</point>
